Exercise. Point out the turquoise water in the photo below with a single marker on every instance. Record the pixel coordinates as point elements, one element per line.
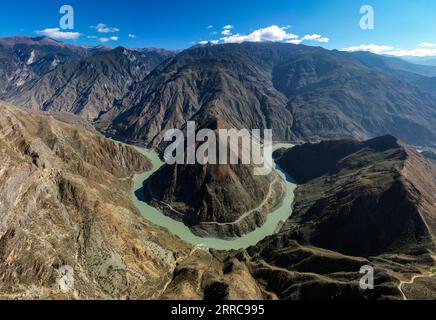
<point>153,215</point>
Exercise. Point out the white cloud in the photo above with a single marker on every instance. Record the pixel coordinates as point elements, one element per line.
<point>56,33</point>
<point>102,28</point>
<point>427,45</point>
<point>209,42</point>
<point>92,37</point>
<point>324,39</point>
<point>132,36</point>
<point>315,37</point>
<point>425,51</point>
<point>374,48</point>
<point>209,26</point>
<point>272,33</point>
<point>420,52</point>
<point>295,41</point>
<point>104,39</point>
<point>312,37</point>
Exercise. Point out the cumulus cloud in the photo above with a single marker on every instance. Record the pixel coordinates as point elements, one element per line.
<point>374,48</point>
<point>420,52</point>
<point>209,42</point>
<point>295,41</point>
<point>425,49</point>
<point>427,45</point>
<point>92,37</point>
<point>272,33</point>
<point>209,26</point>
<point>132,36</point>
<point>102,28</point>
<point>104,39</point>
<point>315,37</point>
<point>56,33</point>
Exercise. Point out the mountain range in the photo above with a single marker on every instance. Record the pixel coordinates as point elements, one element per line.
<point>365,197</point>
<point>303,93</point>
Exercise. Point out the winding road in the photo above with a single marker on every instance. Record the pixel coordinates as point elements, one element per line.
<point>418,276</point>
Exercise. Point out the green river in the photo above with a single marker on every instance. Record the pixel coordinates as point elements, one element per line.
<point>153,215</point>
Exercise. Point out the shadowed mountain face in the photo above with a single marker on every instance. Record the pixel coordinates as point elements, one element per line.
<point>359,204</point>
<point>362,198</point>
<point>222,201</point>
<point>88,86</point>
<point>302,93</point>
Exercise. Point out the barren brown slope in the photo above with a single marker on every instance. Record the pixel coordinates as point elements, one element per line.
<point>65,200</point>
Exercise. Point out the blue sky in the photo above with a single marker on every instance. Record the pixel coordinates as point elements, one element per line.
<point>401,26</point>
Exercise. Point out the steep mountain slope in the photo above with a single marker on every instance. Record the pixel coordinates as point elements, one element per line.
<point>65,200</point>
<point>376,196</point>
<point>88,86</point>
<point>216,200</point>
<point>23,59</point>
<point>302,93</point>
<point>371,204</point>
<point>387,63</point>
<point>422,76</point>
